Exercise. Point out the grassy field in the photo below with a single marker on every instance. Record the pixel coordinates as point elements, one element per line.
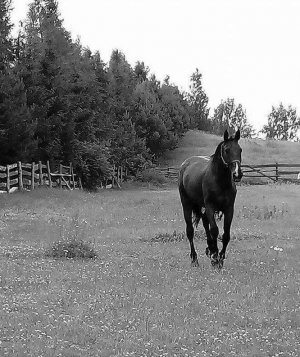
<point>255,151</point>
<point>141,297</point>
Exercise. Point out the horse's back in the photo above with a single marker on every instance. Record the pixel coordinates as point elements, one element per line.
<point>191,175</point>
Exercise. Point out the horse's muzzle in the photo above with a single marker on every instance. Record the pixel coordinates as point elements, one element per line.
<point>237,177</point>
<point>236,170</point>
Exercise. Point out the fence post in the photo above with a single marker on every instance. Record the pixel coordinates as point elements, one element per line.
<point>72,176</point>
<point>60,172</point>
<point>49,174</point>
<point>40,173</point>
<point>113,177</point>
<point>32,175</point>
<point>7,179</point>
<point>276,171</point>
<point>20,177</point>
<point>80,183</point>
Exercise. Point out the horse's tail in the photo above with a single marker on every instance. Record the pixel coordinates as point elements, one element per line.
<point>196,210</point>
<point>196,215</point>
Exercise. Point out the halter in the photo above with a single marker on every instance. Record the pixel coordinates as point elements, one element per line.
<point>226,163</point>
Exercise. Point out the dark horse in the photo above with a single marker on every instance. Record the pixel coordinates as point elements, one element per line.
<point>206,192</point>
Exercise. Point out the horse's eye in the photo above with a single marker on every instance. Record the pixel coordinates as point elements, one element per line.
<point>227,150</point>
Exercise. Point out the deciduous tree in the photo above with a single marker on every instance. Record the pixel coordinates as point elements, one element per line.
<point>230,116</point>
<point>283,123</point>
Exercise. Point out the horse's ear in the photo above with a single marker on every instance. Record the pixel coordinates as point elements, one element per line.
<point>226,135</point>
<point>237,135</point>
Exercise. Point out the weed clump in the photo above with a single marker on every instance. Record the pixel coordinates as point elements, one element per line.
<point>263,213</point>
<point>72,243</point>
<point>74,249</point>
<point>173,237</point>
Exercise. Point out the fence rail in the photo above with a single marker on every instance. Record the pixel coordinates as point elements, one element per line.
<point>274,172</point>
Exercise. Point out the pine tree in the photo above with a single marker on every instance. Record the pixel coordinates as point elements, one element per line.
<point>198,100</point>
<point>127,147</point>
<point>6,43</point>
<point>66,89</point>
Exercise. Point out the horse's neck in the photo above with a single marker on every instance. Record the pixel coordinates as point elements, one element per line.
<point>222,172</point>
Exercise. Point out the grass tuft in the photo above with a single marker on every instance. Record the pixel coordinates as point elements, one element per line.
<point>74,249</point>
<point>72,243</point>
<point>173,237</point>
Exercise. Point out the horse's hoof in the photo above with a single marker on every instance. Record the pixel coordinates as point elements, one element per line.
<point>195,263</point>
<point>217,264</point>
<point>214,259</point>
<point>214,263</point>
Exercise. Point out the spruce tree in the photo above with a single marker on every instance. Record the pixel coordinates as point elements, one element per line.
<point>16,126</point>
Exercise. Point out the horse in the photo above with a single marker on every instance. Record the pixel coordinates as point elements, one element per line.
<point>205,193</point>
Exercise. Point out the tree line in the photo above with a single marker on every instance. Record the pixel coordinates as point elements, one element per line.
<point>63,103</point>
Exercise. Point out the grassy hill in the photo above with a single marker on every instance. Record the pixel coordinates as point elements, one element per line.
<point>255,151</point>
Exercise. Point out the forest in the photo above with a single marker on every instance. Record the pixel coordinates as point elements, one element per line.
<point>61,102</point>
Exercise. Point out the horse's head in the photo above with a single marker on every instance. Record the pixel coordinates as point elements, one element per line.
<point>231,154</point>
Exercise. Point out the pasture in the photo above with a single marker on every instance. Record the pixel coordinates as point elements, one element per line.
<point>255,151</point>
<point>140,296</point>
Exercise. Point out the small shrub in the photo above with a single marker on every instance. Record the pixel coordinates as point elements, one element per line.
<point>74,249</point>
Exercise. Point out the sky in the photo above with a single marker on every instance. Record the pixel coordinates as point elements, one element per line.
<point>248,50</point>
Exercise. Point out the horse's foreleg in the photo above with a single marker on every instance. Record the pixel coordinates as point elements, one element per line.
<point>212,234</point>
<point>228,214</point>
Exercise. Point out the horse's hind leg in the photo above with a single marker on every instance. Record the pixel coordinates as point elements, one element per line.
<point>188,217</point>
<point>212,232</point>
<point>205,222</point>
<point>226,236</point>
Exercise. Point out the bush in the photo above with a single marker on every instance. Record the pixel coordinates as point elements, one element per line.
<point>91,162</point>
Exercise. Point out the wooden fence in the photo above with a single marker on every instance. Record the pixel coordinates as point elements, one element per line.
<point>23,176</point>
<point>169,172</point>
<point>273,172</point>
<point>118,176</point>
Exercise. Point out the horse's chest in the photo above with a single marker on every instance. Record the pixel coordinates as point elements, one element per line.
<point>220,199</point>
